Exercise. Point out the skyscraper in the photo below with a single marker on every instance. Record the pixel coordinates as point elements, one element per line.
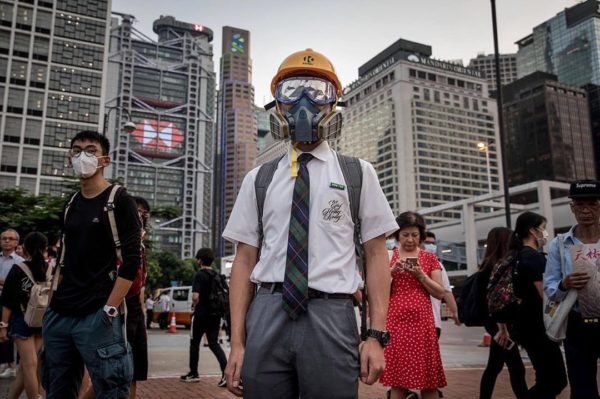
<point>237,124</point>
<point>567,45</point>
<point>167,87</point>
<point>52,65</point>
<point>486,64</point>
<point>548,134</point>
<point>419,121</point>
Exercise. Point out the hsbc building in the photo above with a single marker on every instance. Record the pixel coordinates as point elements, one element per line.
<point>167,89</point>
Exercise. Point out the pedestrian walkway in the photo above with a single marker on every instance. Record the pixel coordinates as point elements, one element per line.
<point>462,383</point>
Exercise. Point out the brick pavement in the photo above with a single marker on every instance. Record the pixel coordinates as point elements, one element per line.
<point>462,383</point>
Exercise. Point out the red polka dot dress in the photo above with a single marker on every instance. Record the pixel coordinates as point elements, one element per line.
<point>412,358</point>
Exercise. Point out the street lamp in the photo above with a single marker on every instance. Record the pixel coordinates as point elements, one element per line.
<point>486,148</point>
<point>128,127</point>
<point>502,146</point>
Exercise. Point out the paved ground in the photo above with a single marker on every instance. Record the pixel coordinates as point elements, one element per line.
<point>463,358</point>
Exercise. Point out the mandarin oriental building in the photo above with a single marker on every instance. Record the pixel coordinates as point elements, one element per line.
<point>427,126</point>
<point>167,88</point>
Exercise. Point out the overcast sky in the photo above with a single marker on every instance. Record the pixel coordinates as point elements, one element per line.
<point>350,32</point>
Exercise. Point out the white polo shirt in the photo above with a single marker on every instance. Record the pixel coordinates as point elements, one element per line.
<point>331,257</point>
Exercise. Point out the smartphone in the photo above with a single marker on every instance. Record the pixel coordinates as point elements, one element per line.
<point>411,263</point>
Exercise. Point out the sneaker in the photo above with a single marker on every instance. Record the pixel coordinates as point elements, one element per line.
<point>190,377</point>
<point>9,372</point>
<point>222,383</point>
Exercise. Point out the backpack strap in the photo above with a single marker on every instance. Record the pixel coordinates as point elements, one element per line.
<point>23,266</point>
<point>261,184</point>
<point>63,249</point>
<point>110,210</point>
<point>352,171</point>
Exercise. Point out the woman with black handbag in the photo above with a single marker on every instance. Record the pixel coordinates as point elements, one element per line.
<point>526,243</point>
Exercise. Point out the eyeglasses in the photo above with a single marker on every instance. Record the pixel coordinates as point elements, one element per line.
<point>8,239</point>
<point>89,151</point>
<point>317,90</point>
<point>591,205</point>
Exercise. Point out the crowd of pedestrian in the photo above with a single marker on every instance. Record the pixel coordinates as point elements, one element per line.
<point>310,230</point>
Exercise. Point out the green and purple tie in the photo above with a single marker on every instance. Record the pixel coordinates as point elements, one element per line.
<point>295,283</point>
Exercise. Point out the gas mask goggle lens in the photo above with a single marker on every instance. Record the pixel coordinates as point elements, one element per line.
<point>319,91</point>
<point>304,121</point>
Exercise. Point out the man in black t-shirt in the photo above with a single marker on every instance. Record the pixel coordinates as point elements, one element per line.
<point>84,323</point>
<point>203,322</point>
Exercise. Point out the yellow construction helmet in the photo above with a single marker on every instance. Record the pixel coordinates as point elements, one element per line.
<point>307,62</point>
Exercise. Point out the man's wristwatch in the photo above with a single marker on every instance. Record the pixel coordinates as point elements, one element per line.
<point>111,311</point>
<point>3,324</point>
<point>383,337</point>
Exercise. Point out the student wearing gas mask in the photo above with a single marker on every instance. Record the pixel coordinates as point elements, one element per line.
<point>294,331</point>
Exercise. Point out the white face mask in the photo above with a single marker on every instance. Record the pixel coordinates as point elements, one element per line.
<point>390,243</point>
<point>432,248</point>
<point>85,166</point>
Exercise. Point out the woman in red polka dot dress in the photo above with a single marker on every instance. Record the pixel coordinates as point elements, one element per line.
<point>412,359</point>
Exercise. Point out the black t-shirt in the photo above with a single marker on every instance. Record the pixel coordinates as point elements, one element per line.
<point>202,283</point>
<point>90,258</point>
<point>530,269</point>
<point>17,289</point>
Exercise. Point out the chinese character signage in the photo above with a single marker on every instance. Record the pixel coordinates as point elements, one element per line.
<point>586,259</point>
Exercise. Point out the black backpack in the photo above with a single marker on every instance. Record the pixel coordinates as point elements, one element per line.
<point>472,304</point>
<point>218,297</point>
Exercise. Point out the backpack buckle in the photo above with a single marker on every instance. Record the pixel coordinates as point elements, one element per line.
<point>110,206</point>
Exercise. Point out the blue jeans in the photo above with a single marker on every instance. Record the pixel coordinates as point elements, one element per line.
<point>93,340</point>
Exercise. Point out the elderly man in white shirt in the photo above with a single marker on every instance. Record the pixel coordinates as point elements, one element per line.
<point>308,348</point>
<point>9,240</point>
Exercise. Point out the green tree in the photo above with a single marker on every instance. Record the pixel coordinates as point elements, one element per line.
<point>25,213</point>
<point>167,267</point>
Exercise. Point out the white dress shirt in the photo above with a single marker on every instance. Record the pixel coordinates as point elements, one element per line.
<point>331,256</point>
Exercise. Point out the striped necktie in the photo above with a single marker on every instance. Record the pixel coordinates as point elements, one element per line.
<point>295,283</point>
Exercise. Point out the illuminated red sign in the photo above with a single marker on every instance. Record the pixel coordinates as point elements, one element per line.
<point>155,135</point>
<point>198,28</point>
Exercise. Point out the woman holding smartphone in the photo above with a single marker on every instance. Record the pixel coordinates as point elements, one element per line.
<point>413,358</point>
<point>526,242</point>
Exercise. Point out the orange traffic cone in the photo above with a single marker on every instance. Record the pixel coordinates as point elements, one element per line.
<point>487,340</point>
<point>173,325</point>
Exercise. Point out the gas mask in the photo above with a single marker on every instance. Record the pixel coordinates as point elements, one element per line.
<point>305,122</point>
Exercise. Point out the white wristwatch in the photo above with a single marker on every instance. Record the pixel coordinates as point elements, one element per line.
<point>3,324</point>
<point>111,310</point>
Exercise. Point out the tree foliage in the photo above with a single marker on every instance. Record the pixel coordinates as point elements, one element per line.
<point>26,213</point>
<point>165,267</point>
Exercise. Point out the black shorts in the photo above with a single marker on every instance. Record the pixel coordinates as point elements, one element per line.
<point>138,340</point>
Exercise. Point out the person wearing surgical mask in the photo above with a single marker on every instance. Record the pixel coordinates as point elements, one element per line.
<point>85,315</point>
<point>526,244</point>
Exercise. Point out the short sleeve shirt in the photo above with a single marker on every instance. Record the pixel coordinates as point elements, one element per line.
<point>332,263</point>
<point>202,282</point>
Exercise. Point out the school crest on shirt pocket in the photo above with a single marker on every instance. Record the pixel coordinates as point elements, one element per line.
<point>334,208</point>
